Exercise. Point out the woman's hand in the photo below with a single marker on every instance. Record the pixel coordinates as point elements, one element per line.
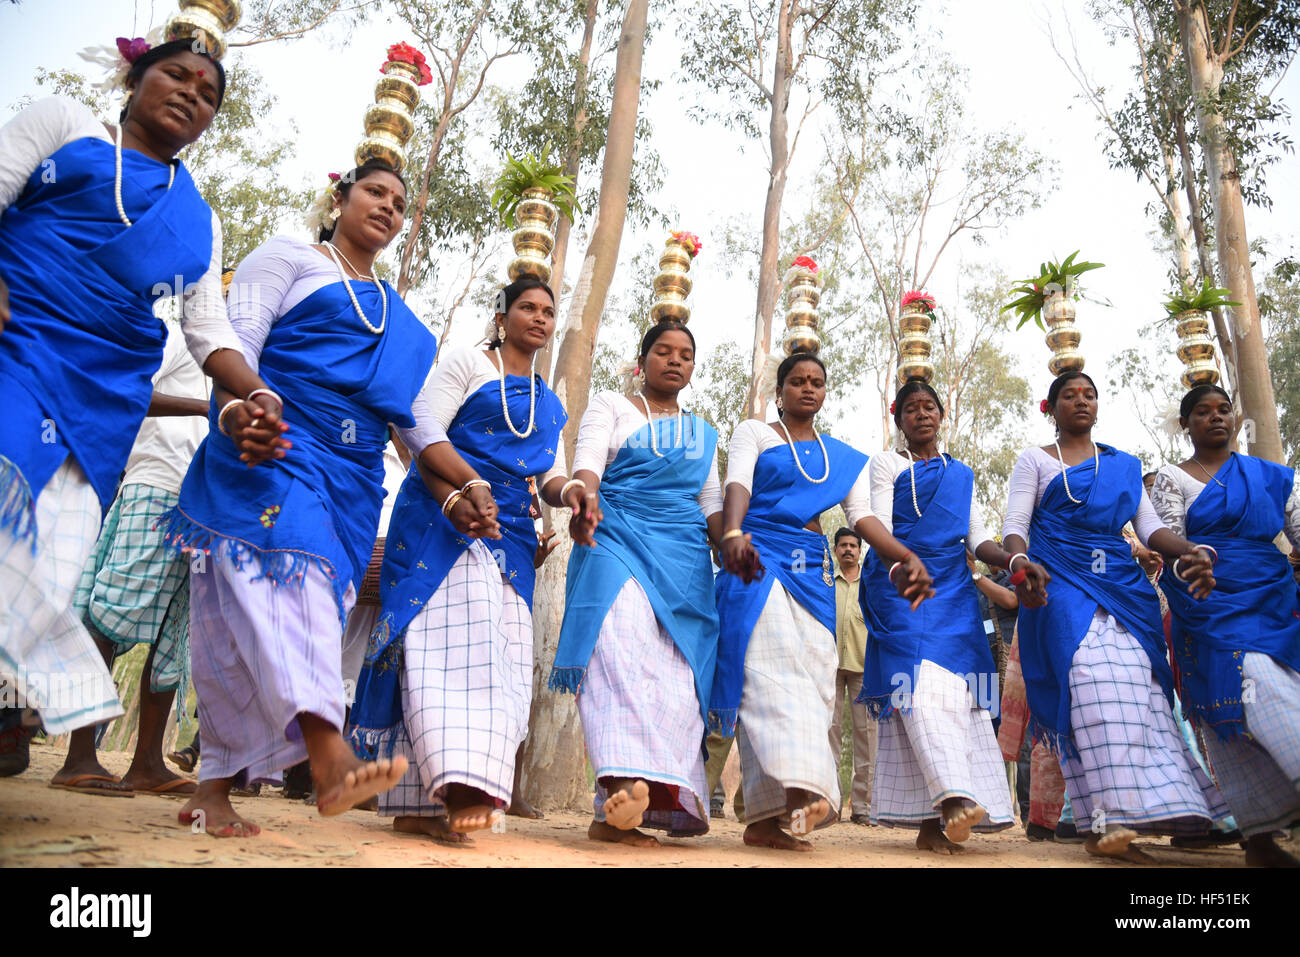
<point>740,557</point>
<point>256,429</point>
<point>545,546</point>
<point>1196,568</point>
<point>586,515</point>
<point>912,580</point>
<point>1031,588</point>
<point>475,514</point>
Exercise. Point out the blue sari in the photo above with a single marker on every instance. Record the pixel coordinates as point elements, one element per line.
<point>422,544</point>
<point>652,531</point>
<point>1092,566</point>
<point>782,502</point>
<point>319,505</point>
<point>78,355</point>
<point>947,629</point>
<point>1256,603</point>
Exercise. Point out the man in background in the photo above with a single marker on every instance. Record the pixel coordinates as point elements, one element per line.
<point>851,637</point>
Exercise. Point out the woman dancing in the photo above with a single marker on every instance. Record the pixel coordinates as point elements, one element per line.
<point>1094,660</point>
<point>99,221</point>
<point>289,542</point>
<point>929,675</point>
<point>640,633</point>
<point>1238,653</point>
<point>775,681</point>
<point>449,669</point>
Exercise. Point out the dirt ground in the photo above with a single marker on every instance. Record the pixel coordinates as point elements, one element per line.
<point>46,827</point>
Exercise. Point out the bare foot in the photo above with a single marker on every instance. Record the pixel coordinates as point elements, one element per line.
<point>932,838</point>
<point>601,831</point>
<point>810,812</point>
<point>470,809</point>
<point>437,828</point>
<point>768,833</point>
<point>627,803</point>
<point>355,785</point>
<point>157,780</point>
<point>1116,844</point>
<point>1262,851</point>
<point>209,812</point>
<point>519,807</point>
<point>959,818</point>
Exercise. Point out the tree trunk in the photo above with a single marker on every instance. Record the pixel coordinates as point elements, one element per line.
<point>554,765</point>
<point>1227,348</point>
<point>778,140</point>
<point>572,161</point>
<point>1255,382</point>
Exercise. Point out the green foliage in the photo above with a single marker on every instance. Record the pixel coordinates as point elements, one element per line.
<point>1033,291</point>
<point>532,172</point>
<point>1279,305</point>
<point>1203,301</point>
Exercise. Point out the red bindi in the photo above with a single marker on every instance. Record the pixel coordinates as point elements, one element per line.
<point>200,73</point>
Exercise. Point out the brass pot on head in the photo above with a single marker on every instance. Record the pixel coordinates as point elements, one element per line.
<point>1063,335</point>
<point>206,22</point>
<point>802,296</point>
<point>534,237</point>
<point>914,344</point>
<point>1196,349</point>
<point>672,284</point>
<point>390,122</point>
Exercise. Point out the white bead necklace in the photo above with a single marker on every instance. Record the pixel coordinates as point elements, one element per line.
<point>1064,478</point>
<point>335,253</point>
<point>532,394</point>
<point>911,468</point>
<point>654,446</point>
<point>795,454</point>
<point>117,178</point>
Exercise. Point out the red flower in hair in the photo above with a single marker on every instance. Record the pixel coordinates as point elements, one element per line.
<point>405,53</point>
<point>132,50</point>
<point>805,262</point>
<point>335,177</point>
<point>1044,407</point>
<point>892,406</point>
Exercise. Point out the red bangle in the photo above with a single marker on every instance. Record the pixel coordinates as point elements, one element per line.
<point>1017,578</point>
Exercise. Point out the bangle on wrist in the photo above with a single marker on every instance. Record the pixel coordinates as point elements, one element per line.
<point>1214,555</point>
<point>564,490</point>
<point>475,483</point>
<point>452,499</point>
<point>256,392</point>
<point>221,427</point>
<point>892,568</point>
<point>731,534</point>
<point>1012,560</point>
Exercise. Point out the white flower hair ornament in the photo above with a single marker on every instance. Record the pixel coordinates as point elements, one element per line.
<point>321,214</point>
<point>627,374</point>
<point>767,378</point>
<point>117,60</point>
<point>1167,420</point>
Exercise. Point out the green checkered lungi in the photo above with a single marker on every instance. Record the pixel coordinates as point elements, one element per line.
<point>135,589</point>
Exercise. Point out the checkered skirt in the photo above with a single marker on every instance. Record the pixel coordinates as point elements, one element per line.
<point>641,717</point>
<point>135,589</point>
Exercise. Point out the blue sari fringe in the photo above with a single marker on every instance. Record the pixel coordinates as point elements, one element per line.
<point>723,721</point>
<point>566,680</point>
<point>1061,744</point>
<point>17,504</point>
<point>278,566</point>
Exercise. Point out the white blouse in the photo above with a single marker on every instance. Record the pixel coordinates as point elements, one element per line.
<point>37,133</point>
<point>884,470</point>
<point>1034,471</point>
<point>752,438</point>
<point>459,374</point>
<point>274,278</point>
<point>1174,492</point>
<point>610,419</point>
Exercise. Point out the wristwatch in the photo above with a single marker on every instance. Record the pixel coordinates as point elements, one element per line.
<point>976,576</point>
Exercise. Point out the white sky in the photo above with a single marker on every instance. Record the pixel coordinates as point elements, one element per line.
<point>1013,78</point>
